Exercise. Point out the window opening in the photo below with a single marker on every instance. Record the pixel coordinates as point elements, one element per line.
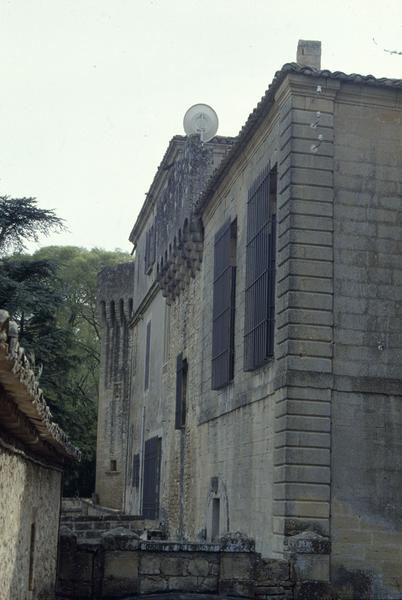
<point>31,558</point>
<point>181,391</point>
<point>136,471</point>
<point>147,355</point>
<point>215,519</point>
<point>259,323</point>
<point>152,461</point>
<point>150,249</point>
<point>224,297</point>
<point>166,334</point>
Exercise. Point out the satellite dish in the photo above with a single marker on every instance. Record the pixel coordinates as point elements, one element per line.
<point>201,119</point>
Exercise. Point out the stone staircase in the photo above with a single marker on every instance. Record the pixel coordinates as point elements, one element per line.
<point>88,521</point>
<point>92,527</point>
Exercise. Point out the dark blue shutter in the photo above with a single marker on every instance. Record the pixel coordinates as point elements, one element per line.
<point>224,292</point>
<point>147,355</point>
<point>152,462</point>
<point>136,470</point>
<point>181,386</point>
<point>150,249</point>
<point>260,272</point>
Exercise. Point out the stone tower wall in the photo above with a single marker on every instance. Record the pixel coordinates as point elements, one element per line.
<point>115,304</point>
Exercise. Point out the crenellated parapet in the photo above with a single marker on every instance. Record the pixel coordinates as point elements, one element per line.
<point>181,260</point>
<point>115,294</point>
<point>178,229</point>
<point>24,412</point>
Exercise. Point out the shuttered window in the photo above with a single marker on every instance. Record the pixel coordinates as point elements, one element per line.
<point>181,391</point>
<point>224,293</point>
<point>147,356</point>
<point>152,463</point>
<point>136,471</point>
<point>260,271</point>
<point>150,249</point>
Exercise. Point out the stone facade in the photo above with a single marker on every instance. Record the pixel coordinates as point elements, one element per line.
<point>33,450</point>
<point>180,179</point>
<point>29,495</point>
<point>301,453</point>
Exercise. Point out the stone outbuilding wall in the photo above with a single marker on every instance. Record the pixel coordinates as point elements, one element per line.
<point>29,525</point>
<point>33,450</point>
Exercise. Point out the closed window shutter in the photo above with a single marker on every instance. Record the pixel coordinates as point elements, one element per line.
<point>150,249</point>
<point>260,272</point>
<point>181,385</point>
<point>224,289</point>
<point>136,470</point>
<point>147,355</point>
<point>179,390</point>
<point>152,462</point>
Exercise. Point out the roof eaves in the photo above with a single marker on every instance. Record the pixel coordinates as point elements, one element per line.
<point>18,379</point>
<point>176,141</point>
<point>264,106</point>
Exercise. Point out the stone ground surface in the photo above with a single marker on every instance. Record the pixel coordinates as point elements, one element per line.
<point>181,596</point>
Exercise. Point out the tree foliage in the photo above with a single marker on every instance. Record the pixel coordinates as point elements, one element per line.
<point>52,296</point>
<point>21,220</point>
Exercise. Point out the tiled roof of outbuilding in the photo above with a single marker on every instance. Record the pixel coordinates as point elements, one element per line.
<point>24,413</point>
<point>265,104</point>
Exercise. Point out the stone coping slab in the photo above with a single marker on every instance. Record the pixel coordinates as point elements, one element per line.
<point>171,546</point>
<point>100,518</point>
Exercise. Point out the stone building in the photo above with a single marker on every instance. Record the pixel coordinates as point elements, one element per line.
<point>267,335</point>
<point>33,450</point>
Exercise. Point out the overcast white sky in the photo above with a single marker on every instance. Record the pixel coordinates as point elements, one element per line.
<point>93,90</point>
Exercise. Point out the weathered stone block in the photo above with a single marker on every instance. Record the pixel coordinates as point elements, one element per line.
<point>237,542</point>
<point>272,570</point>
<point>207,584</point>
<point>237,566</point>
<point>303,491</point>
<point>120,572</point>
<point>120,538</point>
<point>153,584</point>
<point>172,566</point>
<point>183,584</point>
<point>83,565</point>
<point>149,564</point>
<point>243,589</point>
<point>198,566</point>
<point>312,567</point>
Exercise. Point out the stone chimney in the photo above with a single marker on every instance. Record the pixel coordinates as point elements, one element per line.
<point>309,54</point>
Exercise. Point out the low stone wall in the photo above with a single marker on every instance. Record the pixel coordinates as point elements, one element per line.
<point>121,564</point>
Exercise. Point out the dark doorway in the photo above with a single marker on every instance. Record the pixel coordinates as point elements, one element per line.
<point>215,519</point>
<point>152,462</point>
